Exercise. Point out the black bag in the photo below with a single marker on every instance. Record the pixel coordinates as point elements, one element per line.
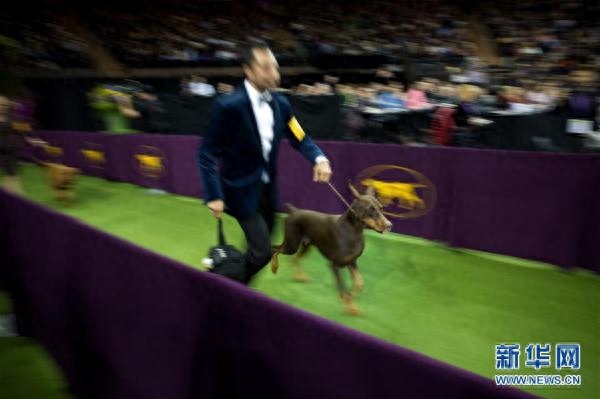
<point>226,259</point>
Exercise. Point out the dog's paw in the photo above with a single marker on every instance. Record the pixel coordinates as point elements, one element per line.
<point>350,306</point>
<point>353,310</point>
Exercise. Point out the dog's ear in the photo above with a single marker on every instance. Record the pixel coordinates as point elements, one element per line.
<point>355,193</point>
<point>370,191</point>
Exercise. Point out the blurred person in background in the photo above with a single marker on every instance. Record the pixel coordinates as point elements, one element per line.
<point>386,99</point>
<point>332,81</point>
<point>322,89</point>
<point>184,86</point>
<point>348,95</point>
<point>415,96</point>
<point>466,114</point>
<point>199,86</point>
<point>304,89</point>
<point>10,140</point>
<point>224,88</point>
<point>581,105</point>
<point>146,109</point>
<point>509,95</point>
<point>535,94</point>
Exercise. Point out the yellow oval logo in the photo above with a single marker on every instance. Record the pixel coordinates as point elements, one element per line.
<point>403,192</point>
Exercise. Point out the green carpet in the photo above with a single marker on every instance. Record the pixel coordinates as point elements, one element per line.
<point>450,304</point>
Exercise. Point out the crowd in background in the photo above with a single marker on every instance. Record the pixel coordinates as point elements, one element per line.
<point>147,35</point>
<point>38,38</point>
<point>296,31</point>
<point>549,50</point>
<point>546,37</point>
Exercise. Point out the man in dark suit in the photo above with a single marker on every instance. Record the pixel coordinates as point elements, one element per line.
<point>244,135</point>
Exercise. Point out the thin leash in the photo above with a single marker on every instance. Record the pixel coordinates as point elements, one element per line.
<point>35,143</point>
<point>340,197</point>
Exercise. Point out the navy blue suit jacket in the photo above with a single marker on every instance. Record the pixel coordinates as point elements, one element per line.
<point>232,142</point>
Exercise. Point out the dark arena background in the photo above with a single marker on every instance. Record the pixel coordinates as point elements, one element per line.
<point>475,123</point>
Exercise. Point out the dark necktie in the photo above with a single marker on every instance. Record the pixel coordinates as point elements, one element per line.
<point>267,98</point>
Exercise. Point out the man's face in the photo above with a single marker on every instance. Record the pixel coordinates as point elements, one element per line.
<point>263,71</point>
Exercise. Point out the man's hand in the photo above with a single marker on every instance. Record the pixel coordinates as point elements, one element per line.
<point>322,172</point>
<point>216,207</point>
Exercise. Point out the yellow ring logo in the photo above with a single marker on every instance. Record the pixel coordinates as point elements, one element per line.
<point>403,192</point>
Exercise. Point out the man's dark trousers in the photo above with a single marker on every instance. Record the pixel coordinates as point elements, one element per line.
<point>257,229</point>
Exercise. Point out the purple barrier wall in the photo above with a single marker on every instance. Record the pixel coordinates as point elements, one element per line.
<point>532,205</point>
<point>126,323</point>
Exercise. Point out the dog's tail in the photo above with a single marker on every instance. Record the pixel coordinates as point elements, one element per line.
<point>274,259</point>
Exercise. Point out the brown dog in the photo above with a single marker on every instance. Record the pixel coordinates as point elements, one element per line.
<point>61,179</point>
<point>339,238</point>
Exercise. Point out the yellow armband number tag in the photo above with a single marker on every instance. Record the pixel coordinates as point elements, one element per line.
<point>296,128</point>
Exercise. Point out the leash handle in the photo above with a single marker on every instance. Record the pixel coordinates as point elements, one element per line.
<point>221,235</point>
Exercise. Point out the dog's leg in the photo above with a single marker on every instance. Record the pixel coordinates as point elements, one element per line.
<point>357,280</point>
<point>351,308</point>
<point>299,274</point>
<point>275,259</point>
<point>291,241</point>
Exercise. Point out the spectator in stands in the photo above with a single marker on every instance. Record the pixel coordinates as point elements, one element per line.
<point>386,99</point>
<point>510,95</point>
<point>415,96</point>
<point>582,101</point>
<point>442,93</point>
<point>465,115</point>
<point>9,147</point>
<point>304,89</point>
<point>349,95</point>
<point>146,109</point>
<point>199,86</point>
<point>467,106</point>
<point>333,82</point>
<point>321,89</point>
<point>224,88</point>
<point>184,86</point>
<point>397,89</point>
<point>535,94</point>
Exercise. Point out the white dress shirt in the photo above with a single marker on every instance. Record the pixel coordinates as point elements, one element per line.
<point>263,113</point>
<point>265,121</point>
<point>264,118</point>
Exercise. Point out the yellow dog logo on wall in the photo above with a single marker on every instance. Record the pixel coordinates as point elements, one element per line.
<point>403,192</point>
<point>149,161</point>
<point>93,155</point>
<point>52,151</point>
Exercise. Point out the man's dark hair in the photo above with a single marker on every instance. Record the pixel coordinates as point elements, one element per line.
<point>248,53</point>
